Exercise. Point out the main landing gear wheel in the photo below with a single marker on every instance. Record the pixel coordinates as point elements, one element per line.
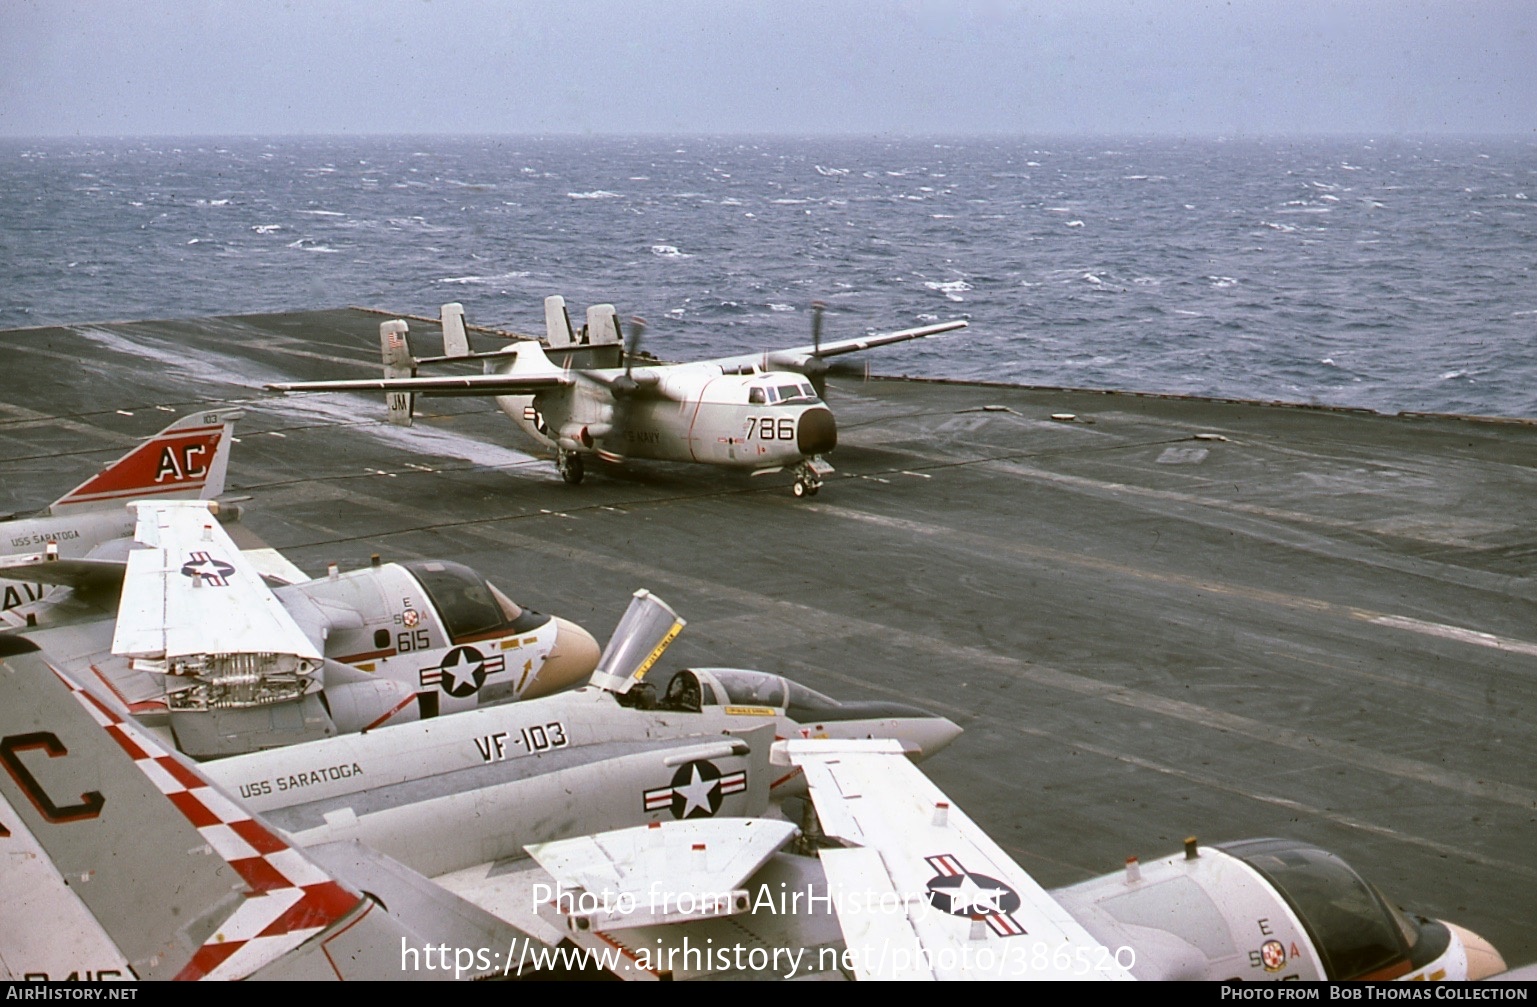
<point>570,465</point>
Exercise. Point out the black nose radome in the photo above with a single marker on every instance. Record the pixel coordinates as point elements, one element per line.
<point>818,432</point>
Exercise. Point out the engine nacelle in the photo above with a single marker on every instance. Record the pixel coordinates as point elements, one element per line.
<point>359,706</point>
<point>1267,909</point>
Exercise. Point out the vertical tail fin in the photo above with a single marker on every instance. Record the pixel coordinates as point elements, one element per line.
<point>602,326</point>
<point>122,860</point>
<point>186,460</point>
<point>557,322</point>
<point>398,363</point>
<point>132,818</point>
<point>456,342</point>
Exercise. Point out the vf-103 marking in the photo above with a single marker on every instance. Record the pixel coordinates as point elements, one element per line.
<point>586,394</point>
<point>614,752</point>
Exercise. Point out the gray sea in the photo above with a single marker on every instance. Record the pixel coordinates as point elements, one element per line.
<point>1387,274</point>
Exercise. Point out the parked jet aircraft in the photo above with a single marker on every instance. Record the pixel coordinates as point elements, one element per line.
<point>313,825</point>
<point>915,890</point>
<point>203,646</point>
<point>100,823</point>
<point>188,459</point>
<point>759,412</point>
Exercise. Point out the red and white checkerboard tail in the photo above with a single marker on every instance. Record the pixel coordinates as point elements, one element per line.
<point>123,861</point>
<point>187,460</point>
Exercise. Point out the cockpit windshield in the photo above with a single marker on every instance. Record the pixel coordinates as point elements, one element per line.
<point>751,688</point>
<point>469,605</point>
<point>784,393</point>
<point>1356,932</point>
<point>745,687</point>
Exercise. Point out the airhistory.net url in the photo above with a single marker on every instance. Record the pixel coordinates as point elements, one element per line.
<point>523,955</point>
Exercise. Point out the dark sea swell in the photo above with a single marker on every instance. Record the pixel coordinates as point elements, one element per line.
<point>1391,274</point>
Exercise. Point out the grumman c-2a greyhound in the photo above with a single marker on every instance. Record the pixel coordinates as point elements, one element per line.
<point>589,394</point>
<point>235,651</point>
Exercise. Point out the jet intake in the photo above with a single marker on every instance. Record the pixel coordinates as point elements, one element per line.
<point>359,706</point>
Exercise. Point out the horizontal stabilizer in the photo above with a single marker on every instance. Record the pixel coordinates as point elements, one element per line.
<point>46,568</point>
<point>608,880</point>
<point>447,385</point>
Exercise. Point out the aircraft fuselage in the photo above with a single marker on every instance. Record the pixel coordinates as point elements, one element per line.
<point>685,413</point>
<point>499,778</point>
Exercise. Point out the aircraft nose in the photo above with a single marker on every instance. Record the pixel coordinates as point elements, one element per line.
<point>571,661</point>
<point>818,431</point>
<point>1483,960</point>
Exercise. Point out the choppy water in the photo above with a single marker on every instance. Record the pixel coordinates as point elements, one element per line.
<point>1386,274</point>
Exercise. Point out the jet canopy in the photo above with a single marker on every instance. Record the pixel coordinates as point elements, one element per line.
<point>469,605</point>
<point>695,688</point>
<point>1357,932</point>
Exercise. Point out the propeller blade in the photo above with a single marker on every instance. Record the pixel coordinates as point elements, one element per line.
<point>815,369</point>
<point>626,386</point>
<point>848,368</point>
<point>632,347</point>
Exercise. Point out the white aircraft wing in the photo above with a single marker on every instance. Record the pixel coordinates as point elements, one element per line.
<point>620,870</point>
<point>925,893</point>
<point>797,356</point>
<point>841,346</point>
<point>461,384</point>
<point>191,591</point>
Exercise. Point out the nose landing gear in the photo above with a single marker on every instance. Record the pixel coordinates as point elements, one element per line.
<point>808,477</point>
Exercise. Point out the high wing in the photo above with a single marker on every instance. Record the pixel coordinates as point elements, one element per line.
<point>841,346</point>
<point>125,862</point>
<point>909,846</point>
<point>445,385</point>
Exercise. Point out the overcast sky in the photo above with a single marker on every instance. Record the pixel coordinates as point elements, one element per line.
<point>1020,67</point>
